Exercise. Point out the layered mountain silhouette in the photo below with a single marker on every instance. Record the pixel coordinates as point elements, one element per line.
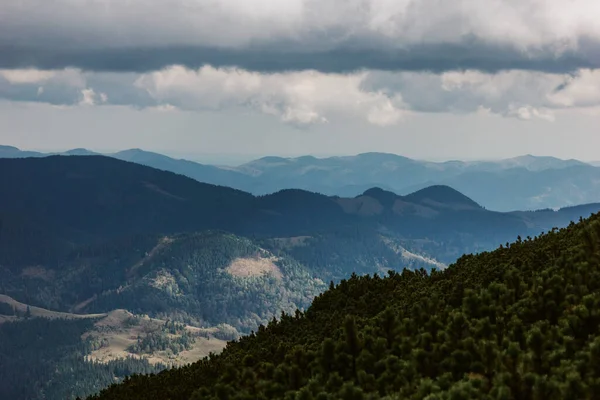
<point>73,200</point>
<point>521,183</point>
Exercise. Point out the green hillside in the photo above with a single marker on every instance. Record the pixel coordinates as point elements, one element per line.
<point>44,359</point>
<point>204,279</point>
<point>521,322</point>
<point>211,278</point>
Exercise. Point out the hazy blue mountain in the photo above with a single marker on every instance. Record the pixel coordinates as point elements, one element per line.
<point>518,188</point>
<point>521,183</point>
<point>526,182</point>
<point>528,162</point>
<point>13,152</point>
<point>199,172</point>
<point>79,152</point>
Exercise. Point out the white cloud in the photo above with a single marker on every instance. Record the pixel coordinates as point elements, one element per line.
<point>69,76</point>
<point>516,93</point>
<point>87,97</point>
<point>26,75</point>
<point>527,113</point>
<point>312,97</point>
<point>581,90</point>
<point>163,108</point>
<point>90,98</point>
<point>296,97</point>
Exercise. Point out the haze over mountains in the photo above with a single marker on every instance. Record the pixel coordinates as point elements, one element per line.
<point>521,183</point>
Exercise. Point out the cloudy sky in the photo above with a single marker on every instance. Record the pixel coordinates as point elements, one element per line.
<point>424,78</point>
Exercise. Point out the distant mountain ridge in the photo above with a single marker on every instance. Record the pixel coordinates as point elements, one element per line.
<point>521,183</point>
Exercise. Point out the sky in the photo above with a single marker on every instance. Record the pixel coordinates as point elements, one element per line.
<point>430,79</point>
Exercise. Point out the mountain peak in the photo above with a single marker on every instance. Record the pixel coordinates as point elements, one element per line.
<point>80,151</point>
<point>376,156</point>
<point>443,195</point>
<point>9,148</point>
<point>385,197</point>
<point>132,151</point>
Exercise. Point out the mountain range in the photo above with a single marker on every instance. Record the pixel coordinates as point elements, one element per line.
<point>90,235</point>
<point>521,183</point>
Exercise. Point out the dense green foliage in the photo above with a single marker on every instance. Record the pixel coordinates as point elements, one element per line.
<point>44,359</point>
<point>163,339</point>
<point>187,279</point>
<point>160,341</point>
<point>333,256</point>
<point>521,322</point>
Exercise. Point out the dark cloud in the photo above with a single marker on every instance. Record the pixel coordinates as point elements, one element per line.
<point>325,35</point>
<point>433,58</point>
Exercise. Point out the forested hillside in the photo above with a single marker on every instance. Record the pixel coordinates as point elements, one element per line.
<point>44,359</point>
<point>203,279</point>
<point>519,322</point>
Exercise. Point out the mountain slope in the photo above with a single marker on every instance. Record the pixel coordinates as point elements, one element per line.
<point>209,279</point>
<point>519,322</point>
<point>442,195</point>
<point>82,198</point>
<point>204,279</point>
<point>200,172</point>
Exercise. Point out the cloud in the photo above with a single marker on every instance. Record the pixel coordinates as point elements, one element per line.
<point>517,93</point>
<point>67,76</point>
<point>300,98</point>
<point>579,90</point>
<point>72,86</point>
<point>326,35</point>
<point>90,98</point>
<point>27,75</point>
<point>309,97</point>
